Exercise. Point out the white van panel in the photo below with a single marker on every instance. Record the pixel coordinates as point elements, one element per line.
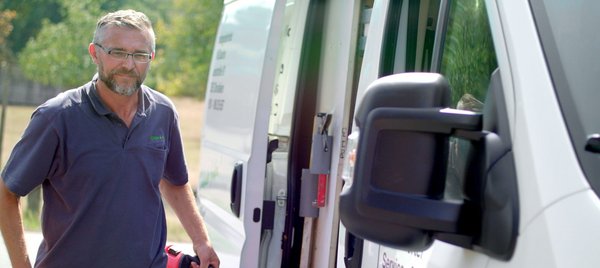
<point>236,74</point>
<point>564,235</point>
<point>444,255</point>
<point>238,104</point>
<point>545,176</point>
<point>286,78</point>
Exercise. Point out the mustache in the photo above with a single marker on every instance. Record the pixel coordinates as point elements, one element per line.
<point>124,72</point>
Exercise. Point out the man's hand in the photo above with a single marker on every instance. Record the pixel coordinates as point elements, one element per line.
<point>207,255</point>
<point>181,199</point>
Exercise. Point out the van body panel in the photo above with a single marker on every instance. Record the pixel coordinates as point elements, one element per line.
<point>236,122</point>
<point>538,135</point>
<point>446,255</point>
<point>563,235</point>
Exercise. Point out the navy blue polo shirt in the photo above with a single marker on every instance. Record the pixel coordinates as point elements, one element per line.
<point>102,205</point>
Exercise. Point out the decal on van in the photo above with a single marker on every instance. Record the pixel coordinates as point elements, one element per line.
<point>392,258</point>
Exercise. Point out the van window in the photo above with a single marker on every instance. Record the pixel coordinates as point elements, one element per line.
<point>468,57</point>
<point>465,51</point>
<point>467,61</point>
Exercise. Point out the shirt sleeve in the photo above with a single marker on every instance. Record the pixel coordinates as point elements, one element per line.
<point>175,167</point>
<point>32,157</point>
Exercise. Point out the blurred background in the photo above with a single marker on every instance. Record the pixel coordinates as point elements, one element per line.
<point>43,51</point>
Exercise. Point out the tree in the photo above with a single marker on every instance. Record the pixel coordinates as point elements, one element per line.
<point>6,28</point>
<point>186,40</point>
<point>185,31</point>
<point>6,16</point>
<point>28,19</point>
<point>58,55</point>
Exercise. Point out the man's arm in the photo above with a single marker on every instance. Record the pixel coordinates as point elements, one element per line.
<point>182,201</point>
<point>11,226</point>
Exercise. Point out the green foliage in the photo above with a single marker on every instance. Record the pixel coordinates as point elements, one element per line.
<point>6,27</point>
<point>185,31</point>
<point>28,21</point>
<point>469,55</point>
<point>31,221</point>
<point>58,55</point>
<point>186,39</point>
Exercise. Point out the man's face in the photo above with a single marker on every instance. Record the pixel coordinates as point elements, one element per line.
<point>123,76</point>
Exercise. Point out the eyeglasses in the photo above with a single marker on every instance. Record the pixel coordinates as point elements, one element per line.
<point>122,55</point>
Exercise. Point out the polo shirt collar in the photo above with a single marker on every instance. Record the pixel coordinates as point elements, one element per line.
<point>101,109</point>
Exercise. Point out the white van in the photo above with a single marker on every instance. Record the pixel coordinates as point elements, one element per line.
<point>403,133</point>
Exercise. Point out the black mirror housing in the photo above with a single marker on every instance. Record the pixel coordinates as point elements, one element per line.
<point>396,196</point>
<point>399,176</point>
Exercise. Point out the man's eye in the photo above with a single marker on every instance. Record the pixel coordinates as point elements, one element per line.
<point>141,56</point>
<point>117,53</point>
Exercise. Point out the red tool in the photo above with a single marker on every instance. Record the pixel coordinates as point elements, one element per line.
<point>178,259</point>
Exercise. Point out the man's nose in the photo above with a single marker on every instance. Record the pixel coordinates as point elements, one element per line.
<point>128,62</point>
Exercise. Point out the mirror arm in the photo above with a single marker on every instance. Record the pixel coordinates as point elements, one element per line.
<point>428,120</point>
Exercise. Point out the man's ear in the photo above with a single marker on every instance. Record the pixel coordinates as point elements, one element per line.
<point>92,51</point>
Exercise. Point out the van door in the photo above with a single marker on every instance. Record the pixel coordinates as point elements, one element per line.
<point>234,136</point>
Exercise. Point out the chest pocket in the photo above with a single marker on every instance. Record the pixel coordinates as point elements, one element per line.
<point>148,154</point>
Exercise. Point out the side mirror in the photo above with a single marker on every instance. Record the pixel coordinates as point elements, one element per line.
<point>402,153</point>
<point>396,196</point>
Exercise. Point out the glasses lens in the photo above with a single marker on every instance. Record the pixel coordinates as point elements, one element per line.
<point>122,55</point>
<point>118,54</point>
<point>141,57</point>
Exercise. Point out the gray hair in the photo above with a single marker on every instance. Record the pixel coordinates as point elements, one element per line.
<point>124,18</point>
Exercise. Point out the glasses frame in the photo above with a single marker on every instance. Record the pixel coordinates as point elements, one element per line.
<point>139,57</point>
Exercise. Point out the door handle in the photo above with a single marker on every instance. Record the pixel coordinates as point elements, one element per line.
<point>236,188</point>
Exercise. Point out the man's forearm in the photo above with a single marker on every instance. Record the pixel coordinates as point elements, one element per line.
<point>11,226</point>
<point>181,199</point>
<point>183,203</point>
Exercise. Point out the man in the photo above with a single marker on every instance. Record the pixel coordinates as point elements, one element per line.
<point>104,153</point>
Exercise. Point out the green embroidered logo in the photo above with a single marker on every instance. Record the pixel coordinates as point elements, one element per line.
<point>156,138</point>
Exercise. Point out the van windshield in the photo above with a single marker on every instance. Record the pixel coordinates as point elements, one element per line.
<point>571,42</point>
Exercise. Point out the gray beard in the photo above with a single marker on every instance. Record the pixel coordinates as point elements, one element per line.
<point>125,91</point>
<point>114,87</point>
